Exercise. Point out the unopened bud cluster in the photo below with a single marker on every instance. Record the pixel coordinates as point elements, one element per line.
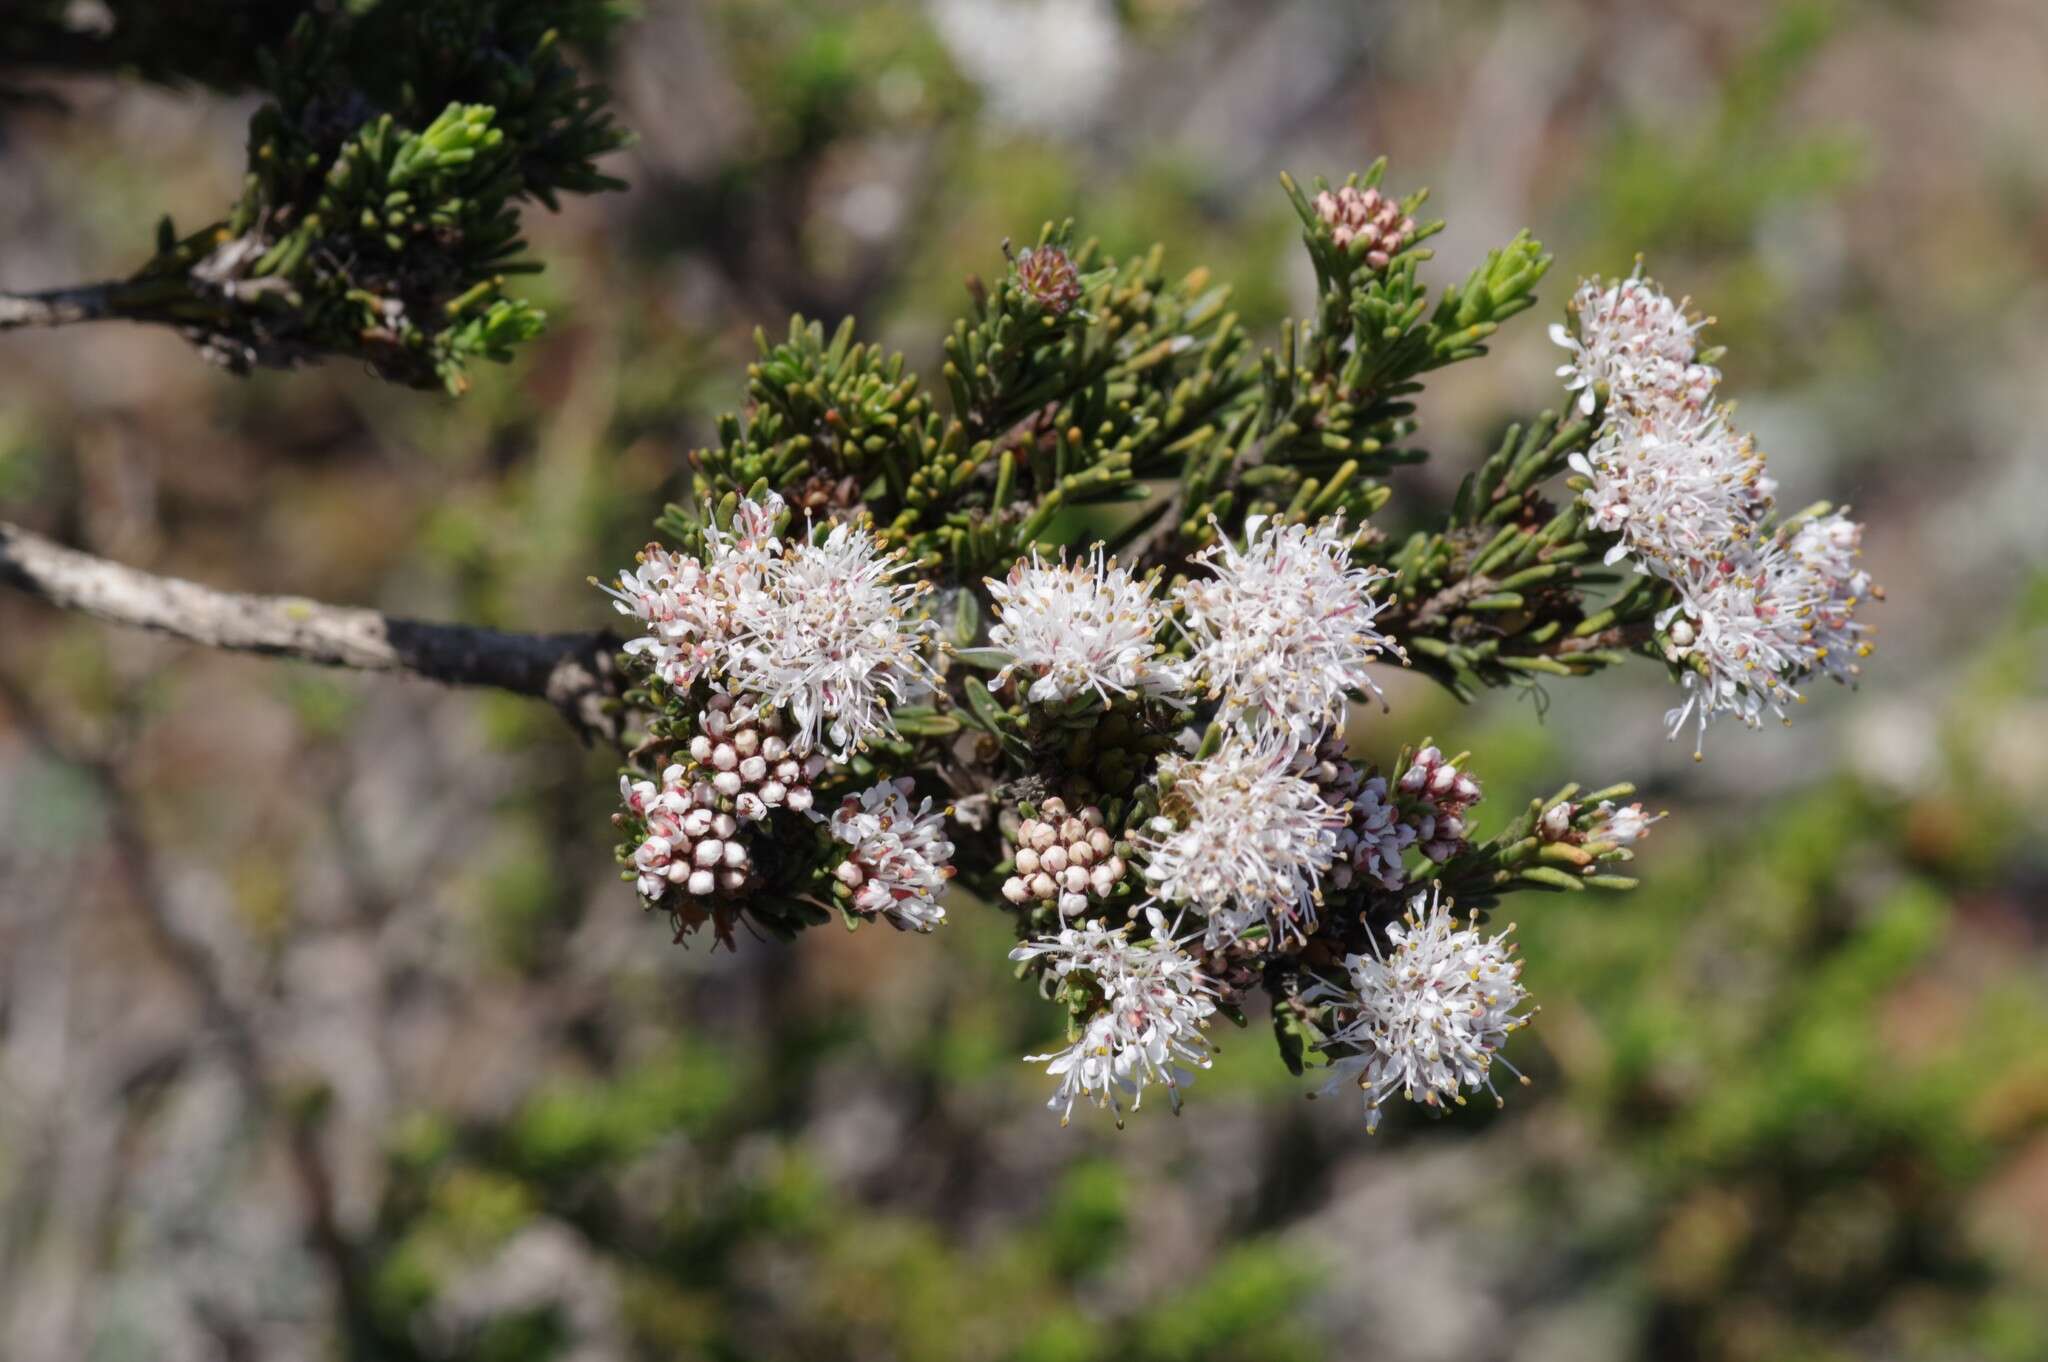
<point>1047,275</point>
<point>1428,808</point>
<point>687,845</point>
<point>1064,859</point>
<point>1442,796</point>
<point>1366,222</point>
<point>742,751</point>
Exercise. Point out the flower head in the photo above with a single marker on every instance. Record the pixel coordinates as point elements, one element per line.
<point>1244,839</point>
<point>673,598</point>
<point>1426,1019</point>
<point>900,860</point>
<point>1064,859</point>
<point>1675,487</point>
<point>1826,586</point>
<point>1621,824</point>
<point>1283,630</point>
<point>1048,277</point>
<point>740,749</point>
<point>1617,825</point>
<point>1366,221</point>
<point>1440,798</point>
<point>692,608</point>
<point>834,636</point>
<point>686,845</point>
<point>1081,627</point>
<point>1637,343</point>
<point>1153,1006</point>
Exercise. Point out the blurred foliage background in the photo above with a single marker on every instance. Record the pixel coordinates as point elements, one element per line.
<point>327,1030</point>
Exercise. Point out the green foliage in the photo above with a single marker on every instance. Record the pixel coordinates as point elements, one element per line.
<point>387,170</point>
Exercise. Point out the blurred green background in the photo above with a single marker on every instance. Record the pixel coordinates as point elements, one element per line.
<point>326,1029</point>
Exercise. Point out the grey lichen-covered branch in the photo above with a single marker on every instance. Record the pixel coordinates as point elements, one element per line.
<point>61,307</point>
<point>574,672</point>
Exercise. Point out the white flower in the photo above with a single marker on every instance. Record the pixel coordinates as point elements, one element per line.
<point>1686,496</point>
<point>1428,1019</point>
<point>1741,642</point>
<point>1245,839</point>
<point>1620,824</point>
<point>1641,345</point>
<point>692,608</point>
<point>1749,627</point>
<point>1828,586</point>
<point>835,639</point>
<point>671,596</point>
<point>1616,824</point>
<point>1283,630</point>
<point>1155,1004</point>
<point>900,860</point>
<point>1082,626</point>
<point>1676,487</point>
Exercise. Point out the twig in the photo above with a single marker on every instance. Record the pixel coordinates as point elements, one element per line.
<point>60,306</point>
<point>574,672</point>
<point>1446,602</point>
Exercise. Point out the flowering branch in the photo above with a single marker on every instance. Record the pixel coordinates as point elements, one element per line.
<point>574,672</point>
<point>1115,590</point>
<point>1115,594</point>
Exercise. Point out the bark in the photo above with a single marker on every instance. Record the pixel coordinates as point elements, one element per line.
<point>577,673</point>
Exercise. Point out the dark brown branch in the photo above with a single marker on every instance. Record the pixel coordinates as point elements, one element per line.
<point>577,673</point>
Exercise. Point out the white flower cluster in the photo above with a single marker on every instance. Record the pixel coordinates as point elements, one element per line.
<point>1283,630</point>
<point>691,609</point>
<point>1686,496</point>
<point>1282,634</point>
<point>1154,1007</point>
<point>1086,626</point>
<point>1063,858</point>
<point>837,639</point>
<point>1426,1020</point>
<point>741,749</point>
<point>1248,840</point>
<point>1636,343</point>
<point>826,630</point>
<point>900,860</point>
<point>689,844</point>
<point>1675,487</point>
